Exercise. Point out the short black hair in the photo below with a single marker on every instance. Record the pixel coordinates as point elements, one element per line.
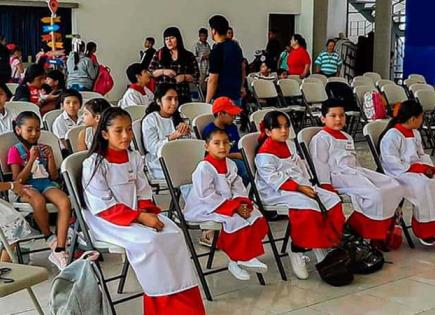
<point>32,72</point>
<point>151,40</point>
<point>219,23</point>
<point>281,71</point>
<point>58,76</point>
<point>203,30</point>
<point>133,70</point>
<point>330,41</point>
<point>331,103</point>
<point>68,93</point>
<point>216,131</point>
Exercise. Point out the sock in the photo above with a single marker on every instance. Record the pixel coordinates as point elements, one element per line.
<point>59,249</point>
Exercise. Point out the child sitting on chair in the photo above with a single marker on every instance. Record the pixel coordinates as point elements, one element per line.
<point>137,93</point>
<point>219,195</point>
<point>6,117</point>
<point>375,196</point>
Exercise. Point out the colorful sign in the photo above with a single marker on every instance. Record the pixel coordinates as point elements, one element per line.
<point>48,38</point>
<point>57,45</point>
<point>50,28</point>
<point>47,19</point>
<point>53,5</point>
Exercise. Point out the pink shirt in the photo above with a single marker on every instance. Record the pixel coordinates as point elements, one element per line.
<point>14,156</point>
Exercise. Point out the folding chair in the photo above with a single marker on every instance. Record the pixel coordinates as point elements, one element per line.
<point>136,112</point>
<point>393,94</point>
<point>410,82</point>
<point>419,77</point>
<point>248,146</point>
<point>200,122</point>
<point>313,80</point>
<point>191,110</point>
<point>292,99</point>
<point>87,95</point>
<point>295,77</point>
<point>426,98</point>
<point>362,80</point>
<point>72,138</point>
<point>314,95</point>
<point>49,118</point>
<point>338,79</point>
<point>12,87</point>
<point>381,83</point>
<point>189,152</point>
<point>372,132</point>
<point>7,140</point>
<point>265,93</point>
<point>17,107</point>
<point>374,76</point>
<point>319,76</point>
<point>71,170</point>
<point>419,86</point>
<point>24,276</point>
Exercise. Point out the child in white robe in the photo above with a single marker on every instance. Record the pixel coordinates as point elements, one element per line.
<point>218,194</point>
<point>403,157</point>
<point>137,93</point>
<point>375,196</point>
<point>282,179</point>
<point>120,210</point>
<point>161,124</point>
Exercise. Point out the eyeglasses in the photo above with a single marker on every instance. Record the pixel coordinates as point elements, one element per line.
<point>4,271</point>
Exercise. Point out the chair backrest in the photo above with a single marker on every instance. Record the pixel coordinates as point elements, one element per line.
<point>361,80</point>
<point>383,82</point>
<point>179,160</point>
<point>71,169</point>
<point>191,110</point>
<point>200,122</point>
<point>372,132</point>
<point>314,93</point>
<point>12,87</point>
<point>418,77</point>
<point>426,98</point>
<point>409,82</point>
<point>249,144</point>
<point>394,94</point>
<point>295,77</point>
<point>374,76</point>
<point>338,79</point>
<point>359,92</point>
<point>420,86</point>
<point>72,136</point>
<point>304,138</point>
<point>136,111</point>
<point>289,88</point>
<point>20,106</point>
<point>138,141</point>
<point>49,118</point>
<point>9,139</point>
<point>264,89</point>
<point>313,80</point>
<point>87,95</point>
<point>319,76</point>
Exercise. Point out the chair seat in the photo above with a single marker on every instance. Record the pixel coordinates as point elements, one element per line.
<point>280,209</point>
<point>111,248</point>
<point>25,276</point>
<point>26,207</point>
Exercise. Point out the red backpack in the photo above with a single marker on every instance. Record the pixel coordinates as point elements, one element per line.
<point>104,81</point>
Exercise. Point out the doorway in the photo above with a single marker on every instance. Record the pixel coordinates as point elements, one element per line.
<point>285,25</point>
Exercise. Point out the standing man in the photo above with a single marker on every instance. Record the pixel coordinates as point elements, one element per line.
<point>225,72</point>
<point>201,50</point>
<point>273,49</point>
<point>5,66</point>
<point>329,62</point>
<point>147,54</point>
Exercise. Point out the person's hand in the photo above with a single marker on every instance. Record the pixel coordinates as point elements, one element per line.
<point>180,78</point>
<point>151,220</point>
<point>244,211</point>
<point>307,190</point>
<point>169,73</point>
<point>33,153</point>
<point>20,190</point>
<point>429,173</point>
<point>175,135</point>
<point>183,128</point>
<point>48,151</point>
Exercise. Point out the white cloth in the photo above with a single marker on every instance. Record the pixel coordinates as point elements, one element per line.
<point>62,124</point>
<point>89,137</point>
<point>398,153</point>
<point>375,195</point>
<point>210,190</point>
<point>6,122</point>
<point>273,172</point>
<point>133,97</point>
<point>160,259</point>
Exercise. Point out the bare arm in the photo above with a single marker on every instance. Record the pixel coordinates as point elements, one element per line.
<point>306,71</point>
<point>212,83</point>
<point>82,141</point>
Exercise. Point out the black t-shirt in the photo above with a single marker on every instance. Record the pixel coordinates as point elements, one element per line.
<point>226,61</point>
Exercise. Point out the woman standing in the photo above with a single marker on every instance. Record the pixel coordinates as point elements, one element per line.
<point>175,65</point>
<point>82,72</point>
<point>298,59</point>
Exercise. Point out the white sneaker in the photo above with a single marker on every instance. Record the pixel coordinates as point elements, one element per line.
<point>60,259</point>
<point>238,272</point>
<point>52,242</point>
<point>299,266</point>
<point>253,265</point>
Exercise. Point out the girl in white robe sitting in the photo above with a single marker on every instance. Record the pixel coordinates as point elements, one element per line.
<point>282,179</point>
<point>120,210</point>
<point>218,194</point>
<point>161,124</point>
<point>375,196</point>
<point>403,157</point>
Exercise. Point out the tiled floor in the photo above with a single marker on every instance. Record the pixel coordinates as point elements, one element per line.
<point>406,285</point>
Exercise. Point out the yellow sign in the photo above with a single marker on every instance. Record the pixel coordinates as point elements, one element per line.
<point>58,45</point>
<point>47,19</point>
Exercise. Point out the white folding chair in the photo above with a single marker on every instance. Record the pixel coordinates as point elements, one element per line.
<point>374,76</point>
<point>12,87</point>
<point>24,276</point>
<point>314,95</point>
<point>381,83</point>
<point>200,122</point>
<point>418,77</point>
<point>426,98</point>
<point>362,80</point>
<point>49,118</point>
<point>265,93</point>
<point>189,152</point>
<point>319,76</point>
<point>71,170</point>
<point>17,107</point>
<point>192,110</point>
<point>394,94</point>
<point>338,79</point>
<point>72,138</point>
<point>419,86</point>
<point>136,112</point>
<point>313,80</point>
<point>295,77</point>
<point>137,140</point>
<point>291,93</point>
<point>257,117</point>
<point>87,95</point>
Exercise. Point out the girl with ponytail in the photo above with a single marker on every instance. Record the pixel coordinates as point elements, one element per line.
<point>403,157</point>
<point>82,71</point>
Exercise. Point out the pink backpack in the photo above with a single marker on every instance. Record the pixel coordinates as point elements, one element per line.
<point>104,81</point>
<point>374,106</point>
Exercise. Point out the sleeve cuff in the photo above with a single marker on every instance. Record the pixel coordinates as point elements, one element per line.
<point>148,206</point>
<point>419,168</point>
<point>289,185</point>
<point>120,215</point>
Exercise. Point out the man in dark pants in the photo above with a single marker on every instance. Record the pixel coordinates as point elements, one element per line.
<point>5,67</point>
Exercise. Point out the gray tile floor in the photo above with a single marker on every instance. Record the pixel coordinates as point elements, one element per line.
<point>406,285</point>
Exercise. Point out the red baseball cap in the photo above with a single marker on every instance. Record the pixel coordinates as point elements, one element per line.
<point>226,105</point>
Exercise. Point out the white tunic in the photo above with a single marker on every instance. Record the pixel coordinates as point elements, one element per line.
<point>273,172</point>
<point>160,259</point>
<point>398,153</point>
<point>373,194</point>
<point>133,97</point>
<point>210,190</point>
<point>6,121</point>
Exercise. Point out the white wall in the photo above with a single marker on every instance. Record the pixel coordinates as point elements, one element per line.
<point>304,23</point>
<point>119,27</point>
<point>337,11</point>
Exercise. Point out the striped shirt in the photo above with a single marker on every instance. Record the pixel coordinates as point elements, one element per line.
<point>328,63</point>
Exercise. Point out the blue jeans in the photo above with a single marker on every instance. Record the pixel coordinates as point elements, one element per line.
<point>241,171</point>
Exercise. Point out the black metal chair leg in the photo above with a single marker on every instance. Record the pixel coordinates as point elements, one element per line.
<point>105,288</point>
<point>276,255</point>
<point>261,279</point>
<point>123,276</point>
<point>212,250</point>
<point>406,232</point>
<point>286,239</point>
